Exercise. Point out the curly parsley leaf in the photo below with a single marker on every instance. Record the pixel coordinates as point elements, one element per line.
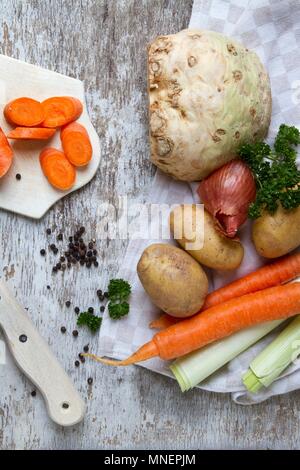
<point>118,293</point>
<point>275,171</point>
<point>90,320</point>
<point>118,310</point>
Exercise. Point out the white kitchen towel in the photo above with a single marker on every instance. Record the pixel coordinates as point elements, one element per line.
<point>272,28</point>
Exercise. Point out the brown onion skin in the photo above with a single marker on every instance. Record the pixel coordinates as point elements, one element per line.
<point>227,193</point>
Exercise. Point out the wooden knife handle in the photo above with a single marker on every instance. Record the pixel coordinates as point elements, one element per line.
<point>35,359</point>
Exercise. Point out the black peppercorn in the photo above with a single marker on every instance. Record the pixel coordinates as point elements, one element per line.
<point>48,231</point>
<point>48,287</point>
<point>102,308</point>
<point>63,329</point>
<point>82,230</point>
<point>54,269</point>
<point>70,239</point>
<point>60,237</point>
<point>33,393</point>
<point>52,246</point>
<point>62,259</point>
<point>90,380</point>
<point>96,264</point>
<point>76,309</point>
<point>82,358</point>
<point>99,292</point>
<point>68,303</point>
<point>86,348</point>
<point>43,252</point>
<point>18,176</point>
<point>90,310</point>
<point>88,264</point>
<point>75,333</point>
<point>77,363</point>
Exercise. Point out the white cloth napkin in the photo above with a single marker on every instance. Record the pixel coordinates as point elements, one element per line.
<point>272,28</point>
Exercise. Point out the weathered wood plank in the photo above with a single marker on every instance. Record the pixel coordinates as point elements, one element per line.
<point>103,42</point>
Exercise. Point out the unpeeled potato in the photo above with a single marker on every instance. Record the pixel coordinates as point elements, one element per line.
<point>175,282</point>
<point>277,234</point>
<point>217,251</point>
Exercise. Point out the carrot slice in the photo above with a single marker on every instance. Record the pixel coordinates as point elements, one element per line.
<point>24,112</point>
<point>31,133</point>
<point>76,144</point>
<point>6,154</point>
<point>57,168</point>
<point>60,110</point>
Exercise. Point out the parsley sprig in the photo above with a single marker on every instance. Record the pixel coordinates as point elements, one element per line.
<point>90,320</point>
<point>118,293</point>
<point>275,171</point>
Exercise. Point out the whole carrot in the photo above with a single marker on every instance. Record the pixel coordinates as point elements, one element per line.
<point>281,271</point>
<point>218,322</point>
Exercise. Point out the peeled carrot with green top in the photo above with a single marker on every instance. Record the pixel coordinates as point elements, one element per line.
<point>60,110</point>
<point>280,271</point>
<point>76,144</point>
<point>6,154</point>
<point>24,112</point>
<point>217,322</point>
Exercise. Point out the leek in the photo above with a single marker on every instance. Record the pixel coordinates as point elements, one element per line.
<point>274,359</point>
<point>193,368</point>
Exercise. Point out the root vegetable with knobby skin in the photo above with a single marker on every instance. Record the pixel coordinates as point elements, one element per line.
<point>207,95</point>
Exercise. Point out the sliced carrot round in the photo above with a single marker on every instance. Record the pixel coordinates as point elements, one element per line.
<point>24,112</point>
<point>57,168</point>
<point>31,133</point>
<point>60,110</point>
<point>76,144</point>
<point>6,154</point>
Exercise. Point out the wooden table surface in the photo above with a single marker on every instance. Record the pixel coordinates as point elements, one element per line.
<point>103,43</point>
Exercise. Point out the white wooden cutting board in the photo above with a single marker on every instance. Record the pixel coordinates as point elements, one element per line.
<point>32,196</point>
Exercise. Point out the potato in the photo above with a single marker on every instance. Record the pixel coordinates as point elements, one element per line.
<point>278,234</point>
<point>218,251</point>
<point>175,282</point>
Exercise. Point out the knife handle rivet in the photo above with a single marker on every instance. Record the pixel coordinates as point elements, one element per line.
<point>23,338</point>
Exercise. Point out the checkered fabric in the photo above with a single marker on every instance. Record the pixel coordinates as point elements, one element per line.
<point>272,29</point>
